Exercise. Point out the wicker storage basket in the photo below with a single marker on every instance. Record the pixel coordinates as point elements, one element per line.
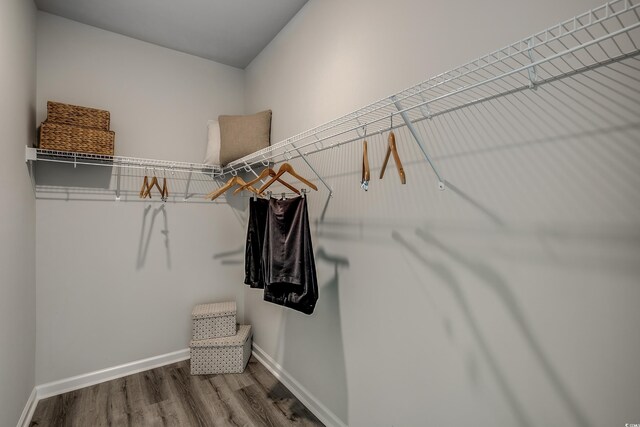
<point>226,355</point>
<point>54,136</point>
<point>214,320</point>
<point>74,115</point>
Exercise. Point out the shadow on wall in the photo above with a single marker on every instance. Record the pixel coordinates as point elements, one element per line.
<point>232,257</point>
<point>323,357</point>
<point>147,231</point>
<point>360,230</point>
<point>554,166</point>
<point>66,175</point>
<point>239,203</point>
<point>493,279</point>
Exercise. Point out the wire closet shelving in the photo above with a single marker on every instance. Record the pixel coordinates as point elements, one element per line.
<point>597,38</point>
<point>124,169</point>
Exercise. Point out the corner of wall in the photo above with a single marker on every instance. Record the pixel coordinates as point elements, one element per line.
<point>17,228</point>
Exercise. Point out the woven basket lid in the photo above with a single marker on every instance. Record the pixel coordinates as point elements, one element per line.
<point>241,336</point>
<point>216,309</point>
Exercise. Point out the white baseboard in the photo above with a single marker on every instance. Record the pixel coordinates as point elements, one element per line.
<point>85,380</point>
<point>29,408</point>
<point>310,401</point>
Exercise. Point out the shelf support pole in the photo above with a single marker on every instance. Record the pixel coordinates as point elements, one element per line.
<point>304,157</point>
<point>186,188</point>
<point>533,73</point>
<point>418,139</point>
<point>30,157</point>
<point>118,183</point>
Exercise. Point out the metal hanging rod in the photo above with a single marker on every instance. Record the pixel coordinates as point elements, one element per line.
<point>599,37</point>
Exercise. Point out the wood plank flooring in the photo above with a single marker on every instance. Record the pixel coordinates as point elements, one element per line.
<point>170,396</point>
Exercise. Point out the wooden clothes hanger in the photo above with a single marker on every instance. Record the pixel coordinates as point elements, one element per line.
<point>236,180</point>
<point>392,149</point>
<point>165,190</point>
<point>366,173</point>
<point>286,167</point>
<point>154,183</point>
<point>217,193</point>
<point>145,186</point>
<point>263,174</point>
<point>244,186</point>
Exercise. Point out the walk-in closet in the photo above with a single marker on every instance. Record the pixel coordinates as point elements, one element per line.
<point>320,213</point>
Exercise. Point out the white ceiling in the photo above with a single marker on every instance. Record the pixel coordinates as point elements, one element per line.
<point>231,32</point>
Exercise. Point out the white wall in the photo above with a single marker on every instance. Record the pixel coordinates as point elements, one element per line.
<point>509,299</point>
<point>116,282</point>
<point>17,210</point>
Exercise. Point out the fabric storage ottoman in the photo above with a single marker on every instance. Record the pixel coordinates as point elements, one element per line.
<point>214,320</point>
<point>226,355</point>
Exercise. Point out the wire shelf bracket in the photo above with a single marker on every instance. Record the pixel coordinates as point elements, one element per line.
<point>531,71</point>
<point>418,138</point>
<point>119,173</point>
<point>304,157</point>
<point>186,188</point>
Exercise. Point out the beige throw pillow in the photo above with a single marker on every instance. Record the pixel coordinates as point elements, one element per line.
<point>243,135</point>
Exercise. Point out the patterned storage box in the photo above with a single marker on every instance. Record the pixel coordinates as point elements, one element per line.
<point>226,355</point>
<point>214,320</point>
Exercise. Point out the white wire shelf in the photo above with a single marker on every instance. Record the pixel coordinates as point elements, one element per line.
<point>597,38</point>
<point>38,154</point>
<point>601,37</point>
<point>117,176</point>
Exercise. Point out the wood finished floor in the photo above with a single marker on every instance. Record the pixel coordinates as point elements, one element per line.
<point>170,396</point>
